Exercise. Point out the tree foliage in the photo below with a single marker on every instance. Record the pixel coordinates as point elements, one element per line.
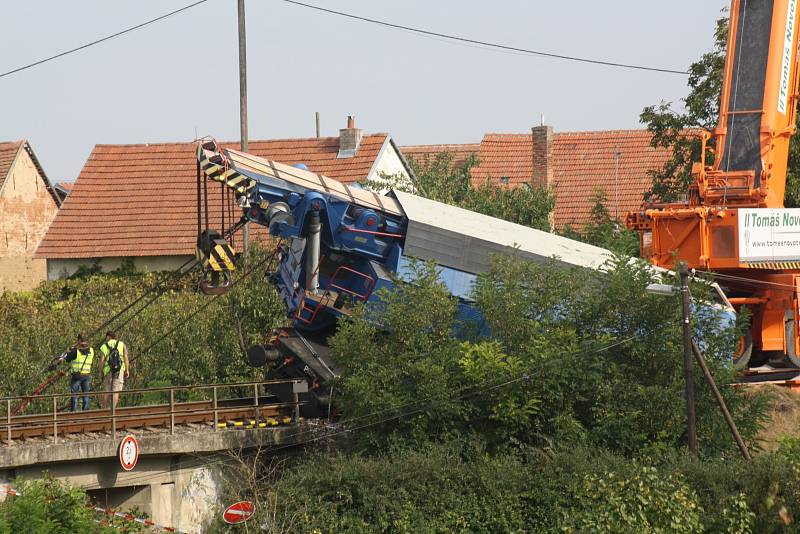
<point>49,506</point>
<point>440,178</point>
<point>679,129</point>
<point>566,355</point>
<point>205,348</point>
<point>604,231</point>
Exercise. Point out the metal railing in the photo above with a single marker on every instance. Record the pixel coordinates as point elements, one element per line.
<point>218,410</point>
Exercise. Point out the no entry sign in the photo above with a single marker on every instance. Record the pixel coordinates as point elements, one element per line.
<point>238,512</point>
<point>128,452</point>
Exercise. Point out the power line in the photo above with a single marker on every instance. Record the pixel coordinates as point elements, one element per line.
<point>486,43</point>
<point>102,39</point>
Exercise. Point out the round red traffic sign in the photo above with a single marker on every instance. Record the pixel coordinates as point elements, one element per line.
<point>238,512</point>
<point>128,452</point>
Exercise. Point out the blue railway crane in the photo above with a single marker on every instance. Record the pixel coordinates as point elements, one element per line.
<point>342,244</point>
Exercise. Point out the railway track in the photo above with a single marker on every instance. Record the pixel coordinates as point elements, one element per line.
<point>257,411</point>
<point>770,375</point>
<point>230,413</point>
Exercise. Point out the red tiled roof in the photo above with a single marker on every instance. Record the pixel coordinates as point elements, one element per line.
<point>505,156</point>
<point>584,162</point>
<point>8,151</point>
<point>460,152</point>
<point>66,186</point>
<point>139,200</point>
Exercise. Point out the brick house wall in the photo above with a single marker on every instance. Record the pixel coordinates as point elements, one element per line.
<point>27,207</point>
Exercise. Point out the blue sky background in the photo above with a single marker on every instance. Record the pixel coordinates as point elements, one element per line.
<point>179,76</point>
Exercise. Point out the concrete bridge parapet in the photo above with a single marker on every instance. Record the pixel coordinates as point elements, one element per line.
<point>177,480</point>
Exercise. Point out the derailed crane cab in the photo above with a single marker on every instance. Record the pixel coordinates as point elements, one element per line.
<point>343,246</point>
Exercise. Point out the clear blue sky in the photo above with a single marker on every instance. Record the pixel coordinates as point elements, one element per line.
<point>179,76</point>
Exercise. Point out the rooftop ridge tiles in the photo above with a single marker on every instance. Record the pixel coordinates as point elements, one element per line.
<point>252,141</point>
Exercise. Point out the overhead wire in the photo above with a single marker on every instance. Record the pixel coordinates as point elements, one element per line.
<point>102,39</point>
<point>163,285</point>
<point>498,46</point>
<point>428,33</point>
<point>743,279</point>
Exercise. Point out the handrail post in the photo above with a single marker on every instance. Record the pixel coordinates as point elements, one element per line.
<point>172,411</point>
<point>55,420</point>
<point>296,400</point>
<point>113,419</point>
<point>216,415</point>
<point>8,420</point>
<point>255,402</point>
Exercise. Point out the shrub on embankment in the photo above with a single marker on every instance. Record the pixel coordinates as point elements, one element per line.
<point>571,356</point>
<point>49,506</point>
<point>35,326</point>
<point>569,417</point>
<point>460,487</point>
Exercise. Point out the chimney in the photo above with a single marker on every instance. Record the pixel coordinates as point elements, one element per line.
<point>542,137</point>
<point>349,139</point>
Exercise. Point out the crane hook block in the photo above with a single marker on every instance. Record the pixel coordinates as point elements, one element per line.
<point>217,257</point>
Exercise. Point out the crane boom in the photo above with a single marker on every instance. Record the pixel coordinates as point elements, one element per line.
<point>757,107</point>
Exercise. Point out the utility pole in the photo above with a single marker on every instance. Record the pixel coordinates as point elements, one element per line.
<point>317,115</point>
<point>243,106</point>
<point>687,358</point>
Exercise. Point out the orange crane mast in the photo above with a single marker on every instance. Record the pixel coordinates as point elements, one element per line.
<point>733,221</point>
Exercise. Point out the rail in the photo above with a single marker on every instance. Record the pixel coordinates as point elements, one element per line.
<point>221,411</point>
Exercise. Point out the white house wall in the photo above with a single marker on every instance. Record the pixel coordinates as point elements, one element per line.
<point>388,163</point>
<point>62,268</point>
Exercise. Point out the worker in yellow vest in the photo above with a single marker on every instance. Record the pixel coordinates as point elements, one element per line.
<point>115,365</point>
<point>80,359</point>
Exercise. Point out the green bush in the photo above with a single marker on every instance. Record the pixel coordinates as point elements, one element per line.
<point>647,501</point>
<point>206,348</point>
<point>432,490</point>
<point>460,487</point>
<point>571,355</point>
<point>49,506</point>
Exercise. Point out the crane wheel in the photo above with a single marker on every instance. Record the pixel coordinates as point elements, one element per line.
<point>744,350</point>
<point>791,354</point>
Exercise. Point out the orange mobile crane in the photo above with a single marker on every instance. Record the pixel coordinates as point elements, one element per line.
<point>733,221</point>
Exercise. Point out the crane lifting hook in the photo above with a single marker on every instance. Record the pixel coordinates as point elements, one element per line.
<point>217,257</point>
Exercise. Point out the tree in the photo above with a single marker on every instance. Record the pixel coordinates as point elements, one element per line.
<point>552,354</point>
<point>50,506</point>
<point>439,178</point>
<point>678,130</point>
<point>675,129</point>
<point>604,231</point>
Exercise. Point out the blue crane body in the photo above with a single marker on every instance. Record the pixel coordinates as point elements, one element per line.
<point>342,245</point>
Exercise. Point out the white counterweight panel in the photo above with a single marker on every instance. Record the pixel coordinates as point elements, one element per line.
<point>464,239</point>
